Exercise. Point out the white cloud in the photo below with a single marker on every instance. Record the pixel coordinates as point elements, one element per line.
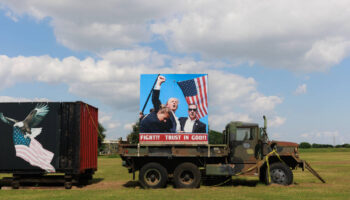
<point>277,121</point>
<point>114,80</point>
<point>324,137</point>
<point>111,82</point>
<point>21,99</point>
<point>128,126</point>
<point>302,89</point>
<point>296,35</point>
<point>275,136</point>
<point>95,25</point>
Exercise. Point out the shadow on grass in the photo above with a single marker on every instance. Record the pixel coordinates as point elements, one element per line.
<point>228,182</point>
<point>223,183</point>
<point>46,182</point>
<point>244,182</point>
<point>96,180</point>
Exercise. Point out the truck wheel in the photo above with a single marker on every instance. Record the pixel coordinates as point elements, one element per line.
<point>153,175</point>
<point>280,174</point>
<point>187,175</point>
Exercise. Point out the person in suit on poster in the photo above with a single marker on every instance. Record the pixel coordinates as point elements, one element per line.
<point>191,124</point>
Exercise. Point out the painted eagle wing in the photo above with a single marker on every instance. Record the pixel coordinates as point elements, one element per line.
<point>36,115</point>
<point>7,120</point>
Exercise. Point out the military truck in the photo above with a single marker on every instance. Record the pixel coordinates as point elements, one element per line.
<point>246,151</point>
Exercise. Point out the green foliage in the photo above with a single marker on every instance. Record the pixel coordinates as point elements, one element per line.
<point>305,145</point>
<point>215,137</point>
<point>133,137</point>
<point>101,137</point>
<point>343,146</point>
<point>314,145</point>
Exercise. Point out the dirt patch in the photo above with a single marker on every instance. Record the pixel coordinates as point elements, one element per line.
<point>103,185</point>
<point>94,186</point>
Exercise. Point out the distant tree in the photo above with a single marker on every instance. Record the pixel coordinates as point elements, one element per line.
<point>314,145</point>
<point>101,137</point>
<point>343,146</point>
<point>304,145</point>
<point>133,137</point>
<point>215,137</point>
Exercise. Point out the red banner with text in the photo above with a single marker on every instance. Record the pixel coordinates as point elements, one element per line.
<point>173,138</point>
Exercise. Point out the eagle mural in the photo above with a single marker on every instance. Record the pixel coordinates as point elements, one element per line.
<point>24,133</point>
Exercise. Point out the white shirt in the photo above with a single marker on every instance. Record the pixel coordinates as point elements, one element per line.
<point>178,126</point>
<point>188,128</point>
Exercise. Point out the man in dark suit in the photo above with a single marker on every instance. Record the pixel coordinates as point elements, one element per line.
<point>172,104</point>
<point>191,124</point>
<point>156,122</point>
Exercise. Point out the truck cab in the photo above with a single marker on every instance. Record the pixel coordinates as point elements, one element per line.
<point>251,153</point>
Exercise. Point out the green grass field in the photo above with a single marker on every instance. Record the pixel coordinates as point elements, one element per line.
<point>113,182</point>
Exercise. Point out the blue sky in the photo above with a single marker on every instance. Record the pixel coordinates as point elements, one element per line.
<point>288,61</point>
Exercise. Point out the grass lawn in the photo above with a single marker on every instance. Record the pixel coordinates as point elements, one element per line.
<point>113,182</point>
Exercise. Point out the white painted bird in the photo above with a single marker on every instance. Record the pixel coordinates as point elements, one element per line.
<point>33,119</point>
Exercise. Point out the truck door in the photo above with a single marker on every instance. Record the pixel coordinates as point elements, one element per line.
<point>243,143</point>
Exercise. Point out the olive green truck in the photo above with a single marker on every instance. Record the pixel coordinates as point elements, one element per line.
<point>246,151</point>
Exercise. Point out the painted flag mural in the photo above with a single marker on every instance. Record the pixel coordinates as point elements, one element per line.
<point>174,108</point>
<point>30,150</point>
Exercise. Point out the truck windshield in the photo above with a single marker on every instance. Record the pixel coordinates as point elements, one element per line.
<point>244,134</point>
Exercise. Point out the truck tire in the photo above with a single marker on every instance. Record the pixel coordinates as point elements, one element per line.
<point>153,175</point>
<point>280,174</point>
<point>187,175</point>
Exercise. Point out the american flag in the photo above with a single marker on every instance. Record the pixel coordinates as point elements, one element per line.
<point>196,92</point>
<point>30,150</point>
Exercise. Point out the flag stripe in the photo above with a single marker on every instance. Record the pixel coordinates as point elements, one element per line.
<point>204,79</point>
<point>195,92</point>
<point>204,84</point>
<point>36,155</point>
<point>40,151</point>
<point>199,101</point>
<point>188,99</point>
<point>204,99</point>
<point>199,107</point>
<point>204,92</point>
<point>26,154</point>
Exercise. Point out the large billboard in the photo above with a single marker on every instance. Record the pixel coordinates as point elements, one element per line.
<point>174,108</point>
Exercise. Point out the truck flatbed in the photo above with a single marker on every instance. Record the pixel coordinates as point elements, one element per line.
<point>173,150</point>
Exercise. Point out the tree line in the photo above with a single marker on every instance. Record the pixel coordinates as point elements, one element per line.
<point>306,145</point>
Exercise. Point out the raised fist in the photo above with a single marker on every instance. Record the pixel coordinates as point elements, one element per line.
<point>161,79</point>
